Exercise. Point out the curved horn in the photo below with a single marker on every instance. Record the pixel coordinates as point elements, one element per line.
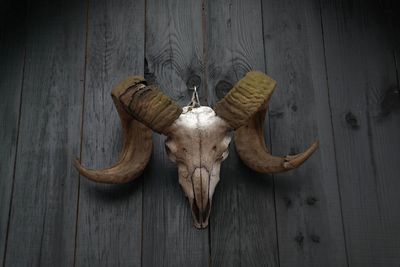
<point>244,108</point>
<point>151,107</point>
<point>137,144</point>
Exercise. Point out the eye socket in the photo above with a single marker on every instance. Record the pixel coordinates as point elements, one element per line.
<point>170,146</point>
<point>170,154</point>
<point>175,152</point>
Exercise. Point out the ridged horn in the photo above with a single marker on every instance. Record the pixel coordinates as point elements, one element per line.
<point>137,135</point>
<point>244,108</point>
<point>151,107</point>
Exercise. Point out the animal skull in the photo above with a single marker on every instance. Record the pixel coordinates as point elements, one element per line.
<point>198,143</point>
<point>197,137</point>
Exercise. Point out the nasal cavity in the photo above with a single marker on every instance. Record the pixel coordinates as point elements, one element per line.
<point>201,216</point>
<point>201,185</point>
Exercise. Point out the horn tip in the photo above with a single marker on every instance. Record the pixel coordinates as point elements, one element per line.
<point>89,174</point>
<point>78,166</point>
<point>314,146</point>
<point>292,162</point>
<point>76,163</point>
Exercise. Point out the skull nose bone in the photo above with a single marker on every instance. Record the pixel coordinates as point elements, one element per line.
<point>201,217</point>
<point>201,185</point>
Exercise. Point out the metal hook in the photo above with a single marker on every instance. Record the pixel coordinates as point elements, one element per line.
<point>195,102</point>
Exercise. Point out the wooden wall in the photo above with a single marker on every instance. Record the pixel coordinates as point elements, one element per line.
<point>336,64</point>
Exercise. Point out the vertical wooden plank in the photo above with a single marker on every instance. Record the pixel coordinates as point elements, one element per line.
<point>243,230</point>
<point>309,218</point>
<point>110,216</point>
<point>390,11</point>
<point>174,56</point>
<point>362,75</point>
<point>12,51</point>
<point>42,222</point>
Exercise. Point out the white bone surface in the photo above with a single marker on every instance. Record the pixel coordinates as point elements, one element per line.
<point>198,142</point>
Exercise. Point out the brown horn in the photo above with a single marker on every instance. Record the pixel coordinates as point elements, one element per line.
<point>244,108</point>
<point>137,144</point>
<point>150,106</point>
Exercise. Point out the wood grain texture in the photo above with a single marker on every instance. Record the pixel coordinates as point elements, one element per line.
<point>361,76</point>
<point>42,222</point>
<point>12,52</point>
<point>174,57</point>
<point>242,223</point>
<point>336,63</point>
<point>309,219</point>
<point>110,216</point>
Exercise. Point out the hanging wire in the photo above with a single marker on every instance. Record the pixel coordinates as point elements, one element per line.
<point>195,102</point>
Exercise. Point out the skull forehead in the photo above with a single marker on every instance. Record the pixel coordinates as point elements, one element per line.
<point>198,137</point>
<point>200,119</point>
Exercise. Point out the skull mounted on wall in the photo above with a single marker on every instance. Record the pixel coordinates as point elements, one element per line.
<point>197,137</point>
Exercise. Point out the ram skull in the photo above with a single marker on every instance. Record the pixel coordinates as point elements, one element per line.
<point>197,137</point>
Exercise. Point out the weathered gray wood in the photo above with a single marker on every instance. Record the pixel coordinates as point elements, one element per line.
<point>243,230</point>
<point>361,41</point>
<point>12,50</point>
<point>42,222</point>
<point>309,219</point>
<point>361,76</point>
<point>390,11</point>
<point>110,216</point>
<point>174,56</point>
